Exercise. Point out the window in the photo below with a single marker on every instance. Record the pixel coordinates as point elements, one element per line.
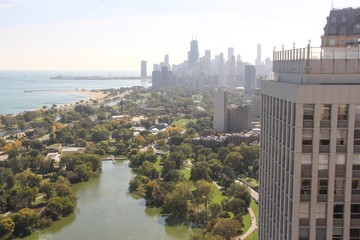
<point>304,211</point>
<point>355,211</point>
<point>333,19</point>
<point>357,113</point>
<point>303,233</point>
<point>343,19</point>
<point>332,42</point>
<point>307,136</point>
<point>342,41</point>
<point>341,137</point>
<point>338,211</point>
<point>320,210</point>
<point>337,234</point>
<point>343,112</point>
<point>306,159</point>
<point>340,165</point>
<point>325,112</point>
<point>357,28</point>
<point>343,30</point>
<point>305,186</point>
<point>354,233</point>
<point>323,186</point>
<point>357,137</point>
<point>356,161</point>
<point>324,137</point>
<point>308,111</point>
<point>339,187</point>
<point>320,233</point>
<point>340,159</point>
<point>355,187</point>
<point>323,162</point>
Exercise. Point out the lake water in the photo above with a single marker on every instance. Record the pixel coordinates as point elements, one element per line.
<point>105,210</point>
<point>16,87</point>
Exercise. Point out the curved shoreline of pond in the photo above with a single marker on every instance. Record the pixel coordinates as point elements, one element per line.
<point>105,210</point>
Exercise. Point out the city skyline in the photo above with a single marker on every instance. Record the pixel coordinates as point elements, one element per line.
<point>116,35</point>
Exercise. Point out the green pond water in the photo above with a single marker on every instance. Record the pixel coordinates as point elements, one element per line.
<point>105,210</point>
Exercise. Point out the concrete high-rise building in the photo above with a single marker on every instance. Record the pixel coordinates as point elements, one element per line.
<point>167,61</point>
<point>342,28</point>
<point>143,69</point>
<point>249,78</point>
<point>258,55</point>
<point>238,118</point>
<point>310,146</point>
<point>220,109</point>
<point>156,79</point>
<point>193,55</point>
<point>231,53</point>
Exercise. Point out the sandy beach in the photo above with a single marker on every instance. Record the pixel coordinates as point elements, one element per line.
<point>95,95</point>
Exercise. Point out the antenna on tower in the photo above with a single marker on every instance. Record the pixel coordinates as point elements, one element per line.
<point>332,4</point>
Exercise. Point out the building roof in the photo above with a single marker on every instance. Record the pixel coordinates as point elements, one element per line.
<point>344,21</point>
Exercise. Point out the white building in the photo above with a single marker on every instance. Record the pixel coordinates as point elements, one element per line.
<point>310,146</point>
<point>220,109</point>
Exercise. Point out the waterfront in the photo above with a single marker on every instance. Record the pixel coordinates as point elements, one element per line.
<point>105,210</point>
<point>19,90</point>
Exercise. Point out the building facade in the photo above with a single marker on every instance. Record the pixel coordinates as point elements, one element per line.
<point>143,69</point>
<point>220,109</point>
<point>342,28</point>
<point>249,78</point>
<point>310,146</point>
<point>238,118</point>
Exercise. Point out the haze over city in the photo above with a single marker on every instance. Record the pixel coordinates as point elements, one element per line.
<point>116,35</point>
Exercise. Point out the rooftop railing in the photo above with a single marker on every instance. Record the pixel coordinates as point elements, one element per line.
<point>316,53</point>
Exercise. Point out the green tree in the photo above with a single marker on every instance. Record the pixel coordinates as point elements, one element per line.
<point>204,193</point>
<point>7,226</point>
<point>25,221</point>
<point>234,160</point>
<point>200,170</point>
<point>226,227</point>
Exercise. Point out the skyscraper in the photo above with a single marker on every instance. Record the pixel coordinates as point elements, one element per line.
<point>230,53</point>
<point>249,78</point>
<point>143,69</point>
<point>310,146</point>
<point>193,55</point>
<point>258,55</point>
<point>220,109</point>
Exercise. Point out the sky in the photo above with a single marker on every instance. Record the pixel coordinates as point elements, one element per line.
<point>115,35</point>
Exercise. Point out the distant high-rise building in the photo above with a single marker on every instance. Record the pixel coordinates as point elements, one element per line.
<point>230,53</point>
<point>193,54</point>
<point>143,69</point>
<point>156,79</point>
<point>249,78</point>
<point>258,55</point>
<point>164,77</point>
<point>342,28</point>
<point>238,118</point>
<point>166,61</point>
<point>220,109</point>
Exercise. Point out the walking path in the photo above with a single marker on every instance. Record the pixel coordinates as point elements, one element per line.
<point>252,228</point>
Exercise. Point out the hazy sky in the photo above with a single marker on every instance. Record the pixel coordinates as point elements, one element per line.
<point>117,34</point>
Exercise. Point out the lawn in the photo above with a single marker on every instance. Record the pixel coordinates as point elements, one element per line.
<point>186,172</point>
<point>247,221</point>
<point>182,122</point>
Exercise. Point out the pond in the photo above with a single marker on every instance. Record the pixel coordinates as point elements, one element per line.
<point>105,210</point>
